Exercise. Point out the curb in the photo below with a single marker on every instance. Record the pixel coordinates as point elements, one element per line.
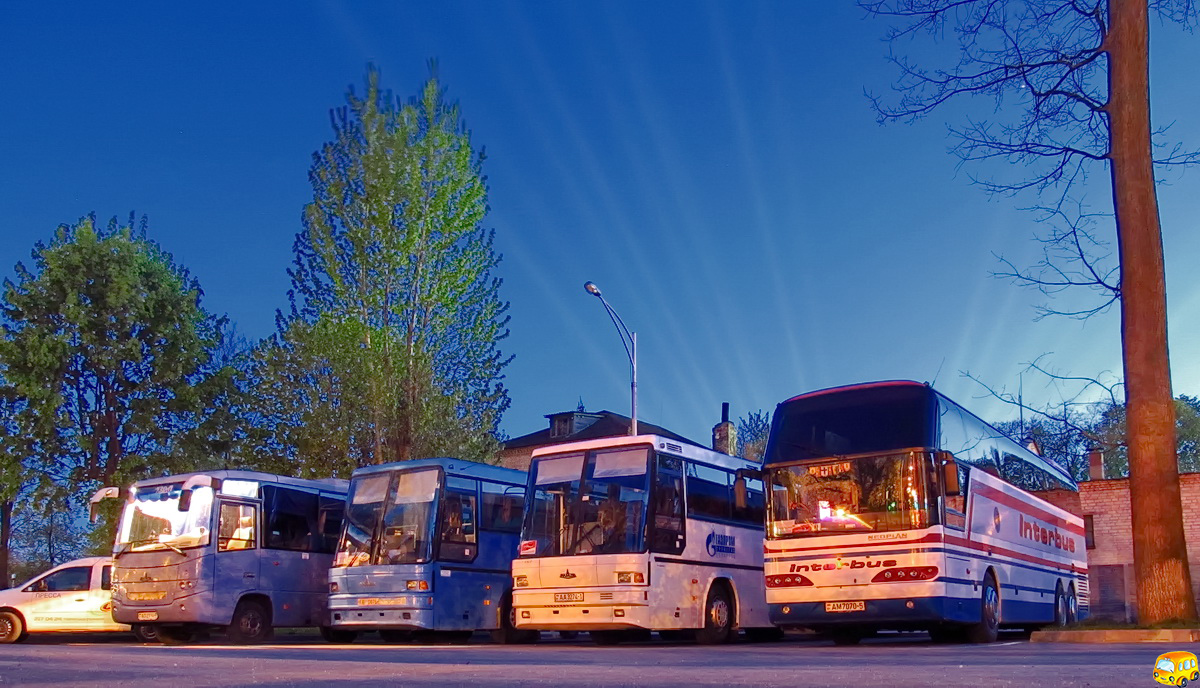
<point>1124,635</point>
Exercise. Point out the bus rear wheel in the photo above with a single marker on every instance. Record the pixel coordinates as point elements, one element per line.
<point>718,617</point>
<point>145,633</point>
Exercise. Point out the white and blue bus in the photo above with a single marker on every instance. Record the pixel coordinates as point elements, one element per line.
<point>628,535</point>
<point>241,551</point>
<point>892,507</point>
<point>426,552</point>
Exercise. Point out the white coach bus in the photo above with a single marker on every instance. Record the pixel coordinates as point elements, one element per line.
<point>627,535</point>
<point>892,507</point>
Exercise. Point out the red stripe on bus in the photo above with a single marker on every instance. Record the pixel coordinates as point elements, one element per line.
<point>992,550</point>
<point>1026,508</point>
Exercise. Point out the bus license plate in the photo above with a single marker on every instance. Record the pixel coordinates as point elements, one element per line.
<point>147,616</point>
<point>858,606</point>
<point>568,597</point>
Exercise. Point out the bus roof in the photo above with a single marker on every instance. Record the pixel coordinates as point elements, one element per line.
<point>323,484</point>
<point>663,444</point>
<point>860,385</point>
<point>457,467</point>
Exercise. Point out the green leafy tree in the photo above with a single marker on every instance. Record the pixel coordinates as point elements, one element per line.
<point>752,433</point>
<point>105,363</point>
<point>390,351</point>
<point>1067,83</point>
<point>1109,429</point>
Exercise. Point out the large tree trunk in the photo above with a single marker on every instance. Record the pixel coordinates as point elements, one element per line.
<point>1164,589</point>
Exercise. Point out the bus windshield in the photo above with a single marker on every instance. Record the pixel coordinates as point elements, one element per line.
<point>153,520</point>
<point>389,519</point>
<point>865,494</point>
<point>593,503</point>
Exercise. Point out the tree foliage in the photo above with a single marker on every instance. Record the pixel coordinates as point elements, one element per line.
<point>752,433</point>
<point>105,365</point>
<point>390,350</point>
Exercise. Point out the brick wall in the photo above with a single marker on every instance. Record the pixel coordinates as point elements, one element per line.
<point>1110,562</point>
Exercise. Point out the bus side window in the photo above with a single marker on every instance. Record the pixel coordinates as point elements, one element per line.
<point>329,524</point>
<point>458,526</point>
<point>668,534</point>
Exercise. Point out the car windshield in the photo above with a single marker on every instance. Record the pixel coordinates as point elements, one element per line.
<point>153,520</point>
<point>1164,665</point>
<point>587,503</point>
<point>865,494</point>
<point>389,519</point>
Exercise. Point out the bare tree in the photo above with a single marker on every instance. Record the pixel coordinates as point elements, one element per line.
<point>1070,83</point>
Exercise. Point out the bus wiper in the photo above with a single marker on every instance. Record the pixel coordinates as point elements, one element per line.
<point>173,547</point>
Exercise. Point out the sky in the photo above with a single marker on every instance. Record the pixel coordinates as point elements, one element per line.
<point>715,167</point>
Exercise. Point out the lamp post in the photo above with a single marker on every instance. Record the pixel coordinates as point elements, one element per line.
<point>629,341</point>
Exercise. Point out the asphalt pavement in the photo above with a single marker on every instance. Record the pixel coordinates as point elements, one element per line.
<point>901,660</point>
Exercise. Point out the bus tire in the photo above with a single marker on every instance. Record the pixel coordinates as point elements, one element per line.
<point>12,627</point>
<point>718,617</point>
<point>1061,615</point>
<point>251,623</point>
<point>338,635</point>
<point>1072,605</point>
<point>988,628</point>
<point>508,633</point>
<point>174,635</point>
<point>145,633</point>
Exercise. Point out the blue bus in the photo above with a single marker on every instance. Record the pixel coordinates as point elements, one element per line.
<point>426,553</point>
<point>236,550</point>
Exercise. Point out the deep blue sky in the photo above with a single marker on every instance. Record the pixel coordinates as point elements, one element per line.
<point>714,167</point>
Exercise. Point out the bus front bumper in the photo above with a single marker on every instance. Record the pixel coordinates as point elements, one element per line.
<point>370,613</point>
<point>915,612</point>
<point>620,612</point>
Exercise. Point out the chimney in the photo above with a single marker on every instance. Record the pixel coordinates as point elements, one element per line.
<point>724,434</point>
<point>1096,465</point>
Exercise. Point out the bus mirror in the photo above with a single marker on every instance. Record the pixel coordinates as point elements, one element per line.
<point>101,495</point>
<point>185,500</point>
<point>739,492</point>
<point>950,478</point>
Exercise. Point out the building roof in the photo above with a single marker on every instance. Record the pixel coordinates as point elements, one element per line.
<point>608,424</point>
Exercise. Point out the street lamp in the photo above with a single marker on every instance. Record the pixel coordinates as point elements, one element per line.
<point>629,341</point>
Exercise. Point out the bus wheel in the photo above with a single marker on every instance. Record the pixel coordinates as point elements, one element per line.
<point>718,617</point>
<point>12,629</point>
<point>145,633</point>
<point>251,623</point>
<point>173,635</point>
<point>1072,605</point>
<point>338,635</point>
<point>988,627</point>
<point>508,633</point>
<point>1061,615</point>
<point>391,635</point>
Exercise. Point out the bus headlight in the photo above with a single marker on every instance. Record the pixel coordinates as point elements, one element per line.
<point>416,585</point>
<point>520,581</point>
<point>636,577</point>
<point>334,587</point>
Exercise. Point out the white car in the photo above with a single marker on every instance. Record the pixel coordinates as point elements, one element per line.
<point>73,597</point>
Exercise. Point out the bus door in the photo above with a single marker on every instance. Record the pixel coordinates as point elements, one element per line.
<point>237,550</point>
<point>668,535</point>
